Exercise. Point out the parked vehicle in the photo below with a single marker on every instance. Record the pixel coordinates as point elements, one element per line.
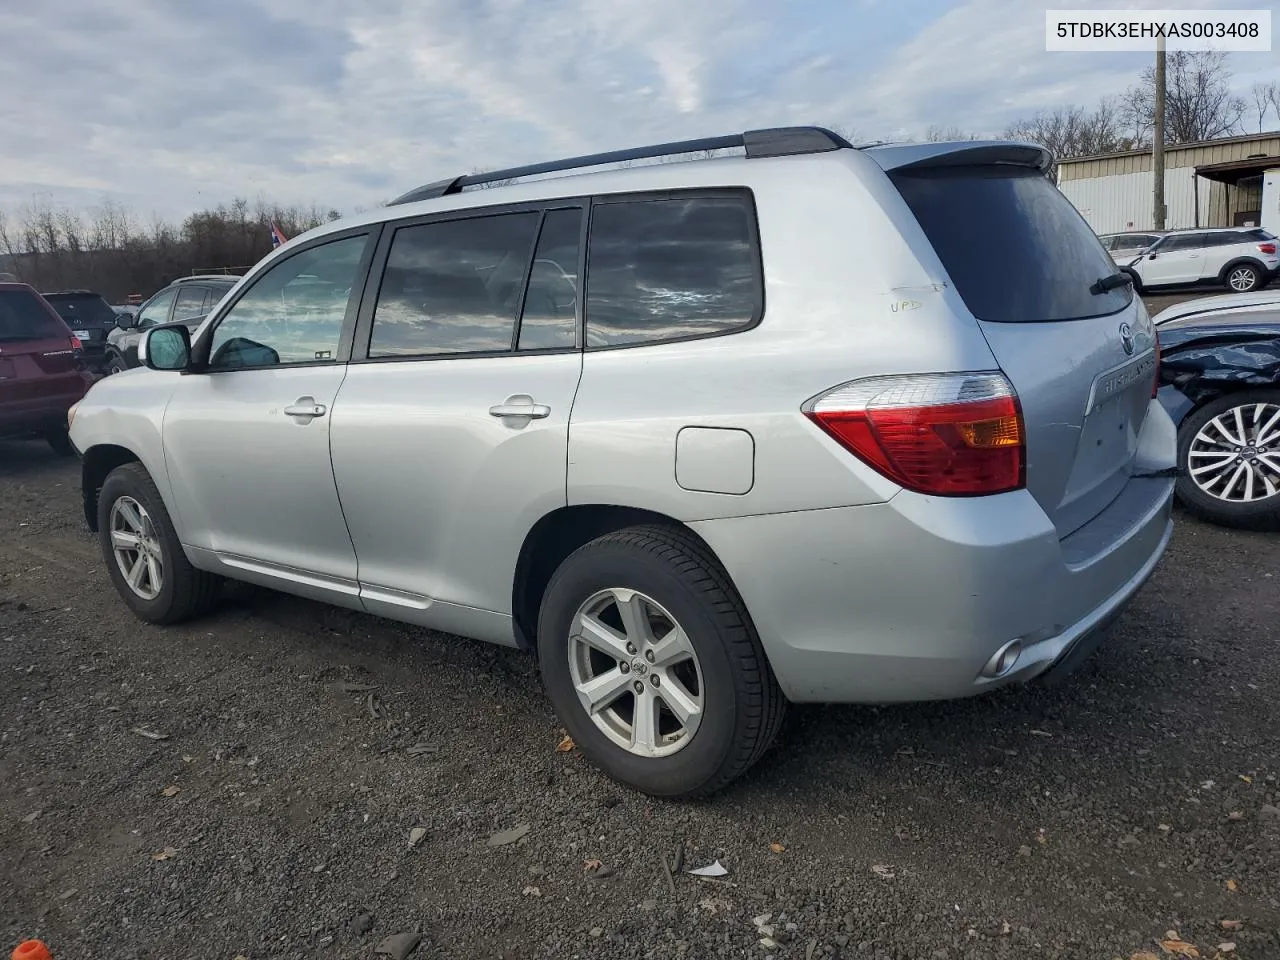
<point>763,456</point>
<point>1241,259</point>
<point>1221,385</point>
<point>90,318</point>
<point>1123,247</point>
<point>1261,300</point>
<point>186,300</point>
<point>41,369</point>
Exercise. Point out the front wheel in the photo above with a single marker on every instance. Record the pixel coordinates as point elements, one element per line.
<point>1229,452</point>
<point>653,665</point>
<point>144,557</point>
<point>1243,277</point>
<point>115,364</point>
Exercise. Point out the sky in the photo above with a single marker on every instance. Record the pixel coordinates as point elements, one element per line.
<point>168,107</point>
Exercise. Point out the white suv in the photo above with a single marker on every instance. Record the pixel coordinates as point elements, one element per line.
<point>810,423</point>
<point>1238,258</point>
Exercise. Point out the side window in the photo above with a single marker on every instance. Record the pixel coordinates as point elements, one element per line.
<point>157,310</point>
<point>212,296</point>
<point>292,313</point>
<point>190,302</point>
<point>550,315</point>
<point>671,268</point>
<point>1183,243</point>
<point>453,287</point>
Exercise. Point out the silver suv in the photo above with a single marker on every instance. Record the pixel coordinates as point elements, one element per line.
<point>807,423</point>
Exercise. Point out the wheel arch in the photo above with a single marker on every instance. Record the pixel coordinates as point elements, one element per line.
<point>553,538</point>
<point>95,466</point>
<point>1240,261</point>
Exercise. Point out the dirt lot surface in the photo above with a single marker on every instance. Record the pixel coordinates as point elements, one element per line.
<point>285,779</point>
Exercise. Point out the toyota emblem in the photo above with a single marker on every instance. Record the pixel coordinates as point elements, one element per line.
<point>1126,338</point>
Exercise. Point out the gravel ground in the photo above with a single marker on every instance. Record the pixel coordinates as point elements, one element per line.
<point>326,780</point>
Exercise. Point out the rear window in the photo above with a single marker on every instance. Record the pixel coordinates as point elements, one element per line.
<point>23,317</point>
<point>1015,247</point>
<point>82,310</point>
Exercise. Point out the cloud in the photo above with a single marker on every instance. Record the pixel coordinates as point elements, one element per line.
<point>169,106</point>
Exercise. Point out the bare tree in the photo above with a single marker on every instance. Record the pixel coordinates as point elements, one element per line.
<point>1074,131</point>
<point>1266,97</point>
<point>937,134</point>
<point>1199,104</point>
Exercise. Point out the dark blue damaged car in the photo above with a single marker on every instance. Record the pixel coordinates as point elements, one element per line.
<point>1220,382</point>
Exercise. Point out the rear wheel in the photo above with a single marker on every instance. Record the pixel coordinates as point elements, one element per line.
<point>653,666</point>
<point>146,561</point>
<point>59,441</point>
<point>1242,278</point>
<point>1229,451</point>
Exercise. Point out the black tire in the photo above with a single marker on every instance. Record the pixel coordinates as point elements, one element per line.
<point>743,706</point>
<point>114,364</point>
<point>1262,514</point>
<point>185,592</point>
<point>60,442</point>
<point>1253,271</point>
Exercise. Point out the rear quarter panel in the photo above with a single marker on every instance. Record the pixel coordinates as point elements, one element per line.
<point>848,294</point>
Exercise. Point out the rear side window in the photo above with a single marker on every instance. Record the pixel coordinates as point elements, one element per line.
<point>453,287</point>
<point>190,302</point>
<point>672,268</point>
<point>24,317</point>
<point>1015,247</point>
<point>550,316</point>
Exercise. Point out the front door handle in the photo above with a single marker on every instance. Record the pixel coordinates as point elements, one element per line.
<point>305,408</point>
<point>520,405</point>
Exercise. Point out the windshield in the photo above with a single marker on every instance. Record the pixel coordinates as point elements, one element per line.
<point>22,317</point>
<point>1015,247</point>
<point>82,310</point>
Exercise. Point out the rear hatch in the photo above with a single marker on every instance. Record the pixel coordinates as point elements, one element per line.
<point>39,369</point>
<point>1081,358</point>
<point>88,315</point>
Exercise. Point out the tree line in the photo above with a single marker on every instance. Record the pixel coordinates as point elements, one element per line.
<point>112,253</point>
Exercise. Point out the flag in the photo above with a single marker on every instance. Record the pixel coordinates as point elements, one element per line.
<point>277,236</point>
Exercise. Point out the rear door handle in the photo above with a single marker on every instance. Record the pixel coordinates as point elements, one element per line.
<point>520,405</point>
<point>305,408</point>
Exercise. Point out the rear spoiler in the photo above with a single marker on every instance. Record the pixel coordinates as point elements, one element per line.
<point>963,153</point>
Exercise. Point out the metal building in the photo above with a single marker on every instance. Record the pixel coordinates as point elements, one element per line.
<point>1213,183</point>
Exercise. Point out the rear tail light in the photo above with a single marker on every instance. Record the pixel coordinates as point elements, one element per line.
<point>957,435</point>
<point>1267,248</point>
<point>76,344</point>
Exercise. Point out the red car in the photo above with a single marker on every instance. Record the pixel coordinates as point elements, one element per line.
<point>41,368</point>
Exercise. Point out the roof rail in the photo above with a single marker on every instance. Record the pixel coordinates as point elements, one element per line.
<point>775,142</point>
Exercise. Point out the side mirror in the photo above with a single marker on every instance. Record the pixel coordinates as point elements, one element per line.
<point>166,347</point>
<point>126,321</point>
<point>1152,256</point>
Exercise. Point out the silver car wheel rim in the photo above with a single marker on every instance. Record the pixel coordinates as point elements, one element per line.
<point>1235,457</point>
<point>635,672</point>
<point>1241,279</point>
<point>136,548</point>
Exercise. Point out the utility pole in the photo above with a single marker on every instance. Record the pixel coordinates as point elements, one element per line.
<point>1157,141</point>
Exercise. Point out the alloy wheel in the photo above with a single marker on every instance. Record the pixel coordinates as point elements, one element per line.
<point>1242,279</point>
<point>136,548</point>
<point>635,672</point>
<point>1235,457</point>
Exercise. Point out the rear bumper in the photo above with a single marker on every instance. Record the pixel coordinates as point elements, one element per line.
<point>908,600</point>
